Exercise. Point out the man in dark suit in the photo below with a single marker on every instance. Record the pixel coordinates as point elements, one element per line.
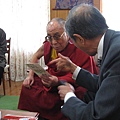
<point>89,32</point>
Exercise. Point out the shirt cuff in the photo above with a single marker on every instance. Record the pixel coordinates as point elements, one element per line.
<point>75,73</point>
<point>69,95</point>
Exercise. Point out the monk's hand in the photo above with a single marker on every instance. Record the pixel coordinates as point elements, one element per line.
<point>28,81</point>
<point>64,63</point>
<point>50,81</point>
<point>64,89</point>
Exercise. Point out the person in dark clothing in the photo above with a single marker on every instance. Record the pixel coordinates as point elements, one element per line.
<point>88,30</point>
<point>3,50</point>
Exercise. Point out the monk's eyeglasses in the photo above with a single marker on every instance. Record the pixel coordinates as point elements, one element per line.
<point>55,37</point>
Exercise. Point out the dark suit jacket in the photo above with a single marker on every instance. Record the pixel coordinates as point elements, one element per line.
<point>3,48</point>
<point>106,105</point>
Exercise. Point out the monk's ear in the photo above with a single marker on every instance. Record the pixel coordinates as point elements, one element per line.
<point>78,38</point>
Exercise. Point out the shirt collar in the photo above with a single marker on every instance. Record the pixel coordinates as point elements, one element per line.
<point>100,47</point>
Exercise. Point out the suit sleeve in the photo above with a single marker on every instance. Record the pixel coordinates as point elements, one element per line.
<point>106,103</point>
<point>87,80</point>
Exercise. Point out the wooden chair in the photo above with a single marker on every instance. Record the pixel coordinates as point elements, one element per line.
<point>6,73</point>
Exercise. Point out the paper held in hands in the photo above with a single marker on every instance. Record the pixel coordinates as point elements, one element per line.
<point>38,69</point>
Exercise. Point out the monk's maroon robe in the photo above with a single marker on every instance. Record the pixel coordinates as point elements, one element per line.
<point>47,101</point>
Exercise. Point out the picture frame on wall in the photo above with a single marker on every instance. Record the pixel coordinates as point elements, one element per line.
<point>68,4</point>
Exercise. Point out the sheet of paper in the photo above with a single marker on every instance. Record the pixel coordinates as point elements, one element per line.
<point>0,115</point>
<point>38,69</point>
<point>19,117</point>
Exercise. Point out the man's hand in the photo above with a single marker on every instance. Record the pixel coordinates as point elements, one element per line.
<point>64,64</point>
<point>64,89</point>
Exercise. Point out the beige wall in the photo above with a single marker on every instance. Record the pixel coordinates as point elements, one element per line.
<point>63,13</point>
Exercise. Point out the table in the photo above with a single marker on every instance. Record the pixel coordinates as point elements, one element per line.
<point>17,112</point>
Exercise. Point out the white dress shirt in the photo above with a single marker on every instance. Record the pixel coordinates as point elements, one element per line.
<point>75,73</point>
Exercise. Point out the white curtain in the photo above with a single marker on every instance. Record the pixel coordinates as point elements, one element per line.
<point>25,22</point>
<point>110,10</point>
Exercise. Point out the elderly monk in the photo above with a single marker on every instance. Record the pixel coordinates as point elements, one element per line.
<point>41,95</point>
